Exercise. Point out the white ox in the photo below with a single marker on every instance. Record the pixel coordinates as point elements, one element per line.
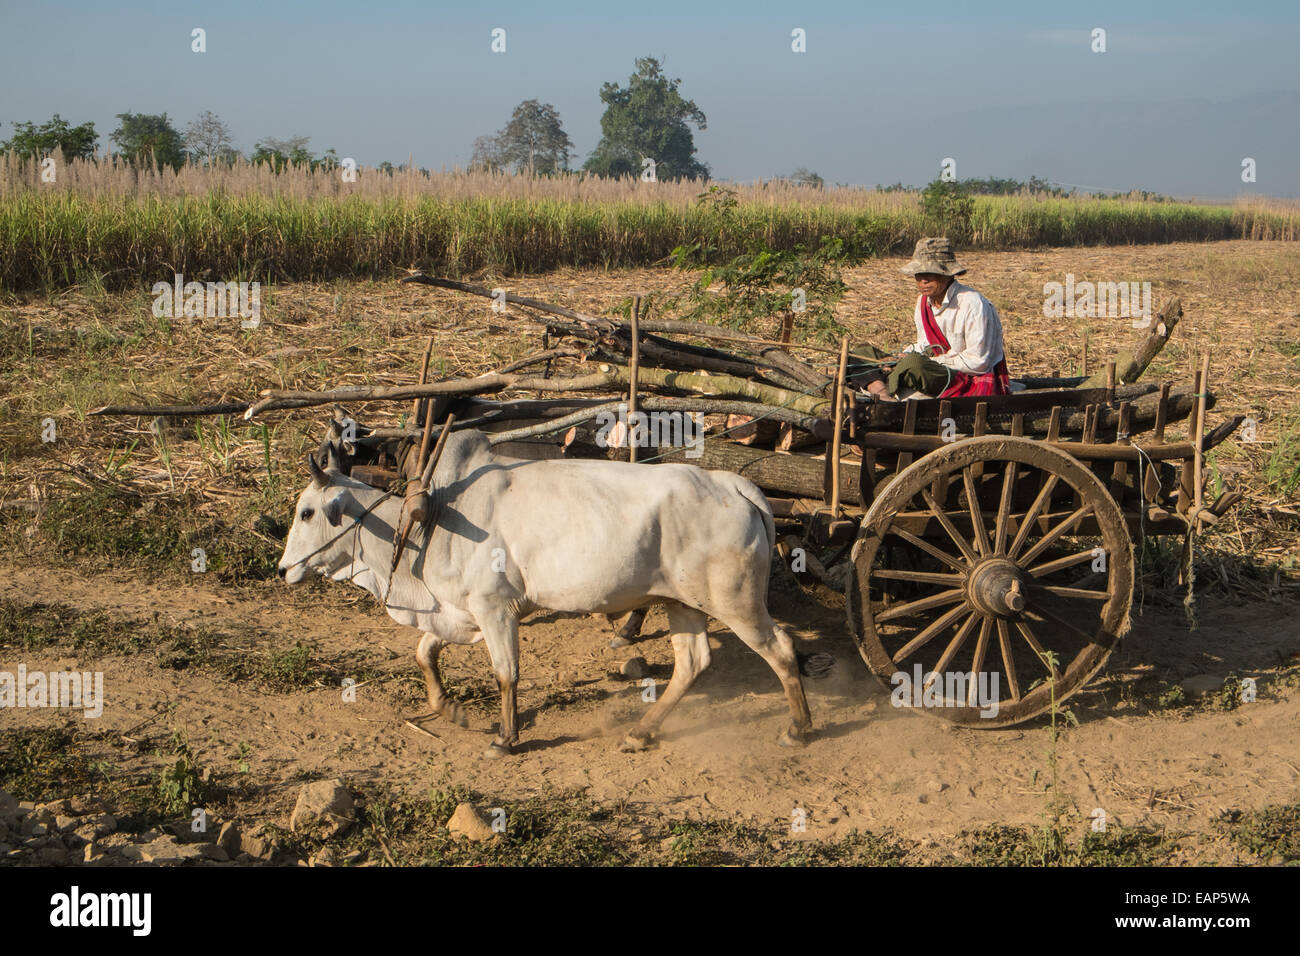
<point>511,536</point>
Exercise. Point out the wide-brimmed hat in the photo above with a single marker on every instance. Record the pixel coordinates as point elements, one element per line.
<point>933,256</point>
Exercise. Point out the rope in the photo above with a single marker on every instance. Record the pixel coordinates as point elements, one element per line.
<point>356,523</point>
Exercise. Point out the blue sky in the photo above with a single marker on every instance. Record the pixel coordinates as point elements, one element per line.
<point>1184,91</point>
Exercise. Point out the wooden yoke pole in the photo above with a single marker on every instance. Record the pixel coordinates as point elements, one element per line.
<point>633,431</point>
<point>839,423</point>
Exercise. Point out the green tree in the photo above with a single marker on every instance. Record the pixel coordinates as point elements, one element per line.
<point>647,119</point>
<point>948,207</point>
<point>535,140</point>
<point>145,136</point>
<point>77,142</point>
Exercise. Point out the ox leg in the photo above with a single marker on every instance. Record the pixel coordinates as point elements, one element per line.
<point>426,655</point>
<point>501,635</point>
<point>630,630</point>
<point>774,646</point>
<point>689,629</point>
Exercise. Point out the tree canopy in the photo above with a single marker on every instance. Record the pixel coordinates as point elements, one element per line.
<point>648,119</point>
<point>77,142</point>
<point>208,139</point>
<point>534,141</point>
<point>142,136</point>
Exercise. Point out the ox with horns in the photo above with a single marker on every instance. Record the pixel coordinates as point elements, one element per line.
<point>509,536</point>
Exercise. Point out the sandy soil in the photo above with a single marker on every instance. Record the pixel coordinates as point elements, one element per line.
<point>871,766</point>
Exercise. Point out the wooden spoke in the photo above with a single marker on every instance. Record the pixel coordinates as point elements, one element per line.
<point>976,518</point>
<point>1022,534</point>
<point>955,644</point>
<point>928,548</point>
<point>938,626</point>
<point>1027,633</point>
<point>981,649</point>
<point>1004,506</point>
<point>1050,538</point>
<point>962,544</point>
<point>1082,593</point>
<point>1008,659</point>
<point>1069,561</point>
<point>924,604</point>
<point>927,577</point>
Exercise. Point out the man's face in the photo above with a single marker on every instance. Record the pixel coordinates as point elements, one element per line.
<point>928,283</point>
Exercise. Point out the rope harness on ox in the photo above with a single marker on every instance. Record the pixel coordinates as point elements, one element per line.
<point>355,526</point>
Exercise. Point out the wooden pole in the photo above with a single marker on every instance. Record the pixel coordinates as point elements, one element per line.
<point>839,421</point>
<point>1084,371</point>
<point>634,431</point>
<point>427,475</point>
<point>1202,393</point>
<point>424,377</point>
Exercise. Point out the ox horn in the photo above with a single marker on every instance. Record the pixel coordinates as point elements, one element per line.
<point>334,457</point>
<point>318,476</point>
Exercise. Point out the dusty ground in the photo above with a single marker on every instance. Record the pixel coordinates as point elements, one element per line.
<point>871,766</point>
<point>1147,759</point>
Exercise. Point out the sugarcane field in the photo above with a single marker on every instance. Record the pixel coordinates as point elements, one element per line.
<point>355,515</point>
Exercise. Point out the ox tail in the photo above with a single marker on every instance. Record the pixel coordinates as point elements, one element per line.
<point>755,497</point>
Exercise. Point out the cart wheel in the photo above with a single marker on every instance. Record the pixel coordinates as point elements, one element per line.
<point>1002,568</point>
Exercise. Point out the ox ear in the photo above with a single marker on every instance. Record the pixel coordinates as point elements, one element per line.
<point>318,476</point>
<point>341,504</point>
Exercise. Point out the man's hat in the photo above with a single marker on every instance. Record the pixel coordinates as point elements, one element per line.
<point>933,256</point>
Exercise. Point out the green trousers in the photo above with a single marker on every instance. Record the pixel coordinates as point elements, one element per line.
<point>913,371</point>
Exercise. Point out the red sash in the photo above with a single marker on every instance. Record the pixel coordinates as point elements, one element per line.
<point>996,382</point>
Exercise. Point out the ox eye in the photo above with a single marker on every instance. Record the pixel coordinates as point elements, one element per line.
<point>306,514</point>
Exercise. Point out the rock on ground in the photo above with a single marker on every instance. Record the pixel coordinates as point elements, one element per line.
<point>468,823</point>
<point>325,806</point>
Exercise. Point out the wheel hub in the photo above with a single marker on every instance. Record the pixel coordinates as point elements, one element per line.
<point>996,587</point>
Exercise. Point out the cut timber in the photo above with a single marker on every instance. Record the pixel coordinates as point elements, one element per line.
<point>1131,364</point>
<point>799,475</point>
<point>748,430</point>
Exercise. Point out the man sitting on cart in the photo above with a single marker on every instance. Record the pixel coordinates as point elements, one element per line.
<point>958,349</point>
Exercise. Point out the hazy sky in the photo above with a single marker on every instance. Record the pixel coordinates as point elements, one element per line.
<point>1184,91</point>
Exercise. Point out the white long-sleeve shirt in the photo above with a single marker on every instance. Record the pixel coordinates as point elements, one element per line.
<point>971,325</point>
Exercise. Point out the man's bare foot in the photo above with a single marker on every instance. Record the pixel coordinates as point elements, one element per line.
<point>880,393</point>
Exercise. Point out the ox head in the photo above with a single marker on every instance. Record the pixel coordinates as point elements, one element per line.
<point>319,540</point>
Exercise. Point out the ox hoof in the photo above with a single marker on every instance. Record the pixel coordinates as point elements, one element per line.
<point>498,749</point>
<point>619,642</point>
<point>633,743</point>
<point>793,738</point>
<point>456,714</point>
